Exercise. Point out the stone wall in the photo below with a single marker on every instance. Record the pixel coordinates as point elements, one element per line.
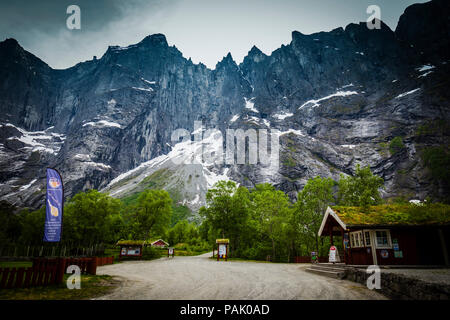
<point>400,287</point>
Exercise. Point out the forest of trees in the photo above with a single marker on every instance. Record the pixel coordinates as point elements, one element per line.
<point>263,222</point>
<point>259,222</point>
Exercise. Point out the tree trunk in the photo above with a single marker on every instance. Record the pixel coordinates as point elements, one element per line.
<point>317,245</point>
<point>273,250</point>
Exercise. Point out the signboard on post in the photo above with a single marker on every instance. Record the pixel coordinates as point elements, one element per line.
<point>170,252</point>
<point>134,251</point>
<point>334,255</point>
<point>222,249</point>
<point>54,206</point>
<point>131,248</point>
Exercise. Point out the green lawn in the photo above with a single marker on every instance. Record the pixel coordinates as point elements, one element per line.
<point>15,264</point>
<point>188,253</point>
<point>91,287</point>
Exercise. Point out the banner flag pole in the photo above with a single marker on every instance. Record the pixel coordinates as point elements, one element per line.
<point>54,202</point>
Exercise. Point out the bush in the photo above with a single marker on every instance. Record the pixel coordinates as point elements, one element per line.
<point>257,252</point>
<point>437,159</point>
<point>396,145</point>
<point>150,253</point>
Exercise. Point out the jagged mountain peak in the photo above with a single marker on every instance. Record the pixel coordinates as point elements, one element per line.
<point>12,52</point>
<point>361,27</point>
<point>426,28</point>
<point>226,62</point>
<point>9,43</point>
<point>338,98</point>
<point>255,52</point>
<point>155,39</point>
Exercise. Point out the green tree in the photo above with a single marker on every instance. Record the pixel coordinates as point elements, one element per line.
<point>396,145</point>
<point>360,189</point>
<point>151,214</point>
<point>32,225</point>
<point>86,217</point>
<point>311,204</point>
<point>9,222</point>
<point>227,211</point>
<point>272,208</point>
<point>179,233</point>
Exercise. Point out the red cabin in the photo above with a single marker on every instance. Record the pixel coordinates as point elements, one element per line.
<point>160,243</point>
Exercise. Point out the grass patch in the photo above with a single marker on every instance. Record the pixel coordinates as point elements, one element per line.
<point>395,214</point>
<point>383,148</point>
<point>157,179</point>
<point>396,145</point>
<point>185,253</point>
<point>289,161</point>
<point>15,264</point>
<point>91,287</point>
<point>433,127</point>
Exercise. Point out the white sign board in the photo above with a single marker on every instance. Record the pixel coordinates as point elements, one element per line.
<point>222,250</point>
<point>170,251</point>
<point>334,255</point>
<point>133,252</point>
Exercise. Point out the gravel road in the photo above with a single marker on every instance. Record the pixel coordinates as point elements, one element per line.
<point>197,278</point>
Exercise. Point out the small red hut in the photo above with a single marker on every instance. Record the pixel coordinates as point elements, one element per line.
<point>160,243</point>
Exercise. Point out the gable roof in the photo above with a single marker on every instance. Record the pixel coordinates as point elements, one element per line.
<point>131,243</point>
<point>394,214</point>
<point>331,213</point>
<point>158,240</point>
<point>388,215</point>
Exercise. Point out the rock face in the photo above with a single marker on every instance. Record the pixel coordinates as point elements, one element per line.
<point>338,98</point>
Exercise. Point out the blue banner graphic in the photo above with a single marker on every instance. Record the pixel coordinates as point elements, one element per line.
<point>54,207</point>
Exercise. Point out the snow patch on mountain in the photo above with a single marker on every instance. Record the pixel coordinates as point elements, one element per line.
<point>234,118</point>
<point>103,123</point>
<point>283,115</point>
<point>406,93</point>
<point>315,102</point>
<point>45,141</point>
<point>249,104</point>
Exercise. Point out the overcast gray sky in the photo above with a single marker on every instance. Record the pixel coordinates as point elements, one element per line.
<point>205,30</point>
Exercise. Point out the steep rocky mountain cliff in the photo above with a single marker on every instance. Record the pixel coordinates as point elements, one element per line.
<point>338,98</point>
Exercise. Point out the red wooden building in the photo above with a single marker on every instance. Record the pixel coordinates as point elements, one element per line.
<point>159,243</point>
<point>390,234</point>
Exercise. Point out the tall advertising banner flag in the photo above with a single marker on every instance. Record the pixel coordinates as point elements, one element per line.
<point>54,206</point>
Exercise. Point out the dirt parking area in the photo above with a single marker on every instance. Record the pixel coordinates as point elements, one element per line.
<point>198,278</point>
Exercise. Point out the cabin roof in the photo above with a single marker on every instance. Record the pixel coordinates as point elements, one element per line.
<point>394,214</point>
<point>131,243</point>
<point>158,240</point>
<point>385,215</point>
<point>222,240</point>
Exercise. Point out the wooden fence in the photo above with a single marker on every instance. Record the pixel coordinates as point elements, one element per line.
<point>51,250</point>
<point>101,261</point>
<point>48,271</point>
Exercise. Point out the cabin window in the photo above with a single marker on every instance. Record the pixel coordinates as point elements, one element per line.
<point>352,240</point>
<point>356,239</point>
<point>367,238</point>
<point>383,239</point>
